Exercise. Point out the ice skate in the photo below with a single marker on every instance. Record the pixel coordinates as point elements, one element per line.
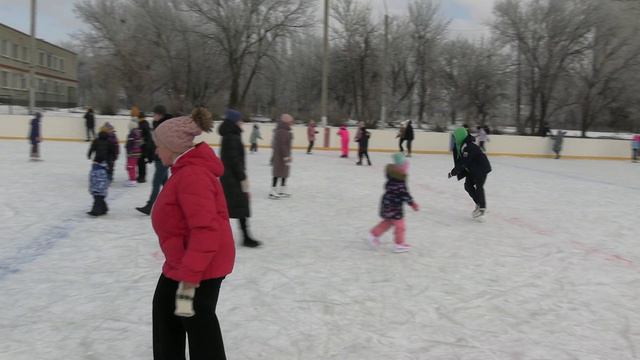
<point>401,248</point>
<point>283,193</point>
<point>373,241</point>
<point>131,183</point>
<point>273,195</point>
<point>478,212</point>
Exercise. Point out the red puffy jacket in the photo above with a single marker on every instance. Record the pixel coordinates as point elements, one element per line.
<point>191,219</point>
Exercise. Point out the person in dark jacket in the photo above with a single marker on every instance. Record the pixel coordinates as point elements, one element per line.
<point>471,163</point>
<point>558,140</point>
<point>408,136</point>
<point>160,115</point>
<point>147,145</point>
<point>235,181</point>
<point>34,137</point>
<point>90,124</point>
<point>101,148</point>
<point>362,137</point>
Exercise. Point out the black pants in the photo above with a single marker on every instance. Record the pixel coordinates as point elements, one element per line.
<point>409,146</point>
<point>475,187</point>
<point>254,147</point>
<point>142,169</point>
<point>203,329</point>
<point>363,153</point>
<point>635,154</point>
<point>35,152</point>
<point>159,178</point>
<point>99,205</point>
<point>400,144</point>
<point>310,147</point>
<point>91,131</point>
<point>283,182</point>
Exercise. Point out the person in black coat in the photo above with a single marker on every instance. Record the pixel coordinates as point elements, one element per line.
<point>234,181</point>
<point>160,115</point>
<point>408,137</point>
<point>90,124</point>
<point>471,163</point>
<point>362,138</point>
<point>147,146</point>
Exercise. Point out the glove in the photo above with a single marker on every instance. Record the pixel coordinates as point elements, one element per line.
<point>184,301</point>
<point>415,206</point>
<point>244,184</point>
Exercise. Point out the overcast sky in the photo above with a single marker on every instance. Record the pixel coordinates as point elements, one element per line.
<point>57,22</point>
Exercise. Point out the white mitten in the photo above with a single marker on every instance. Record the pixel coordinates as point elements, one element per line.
<point>184,301</point>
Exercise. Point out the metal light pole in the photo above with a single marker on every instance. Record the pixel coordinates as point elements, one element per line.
<point>325,66</point>
<point>385,66</point>
<point>32,65</point>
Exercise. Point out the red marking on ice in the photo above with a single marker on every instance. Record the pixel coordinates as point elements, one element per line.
<point>526,225</point>
<point>605,255</point>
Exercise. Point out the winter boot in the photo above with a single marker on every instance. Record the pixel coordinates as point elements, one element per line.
<point>145,209</point>
<point>478,212</point>
<point>401,248</point>
<point>373,241</point>
<point>250,243</point>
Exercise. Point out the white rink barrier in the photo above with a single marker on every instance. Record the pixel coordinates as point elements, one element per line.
<point>71,128</point>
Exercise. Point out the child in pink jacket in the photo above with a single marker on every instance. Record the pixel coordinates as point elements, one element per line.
<point>391,207</point>
<point>344,140</point>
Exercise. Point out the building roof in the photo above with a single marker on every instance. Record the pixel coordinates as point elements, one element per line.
<point>44,41</point>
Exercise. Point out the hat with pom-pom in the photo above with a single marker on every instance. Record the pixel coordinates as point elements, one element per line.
<point>177,134</point>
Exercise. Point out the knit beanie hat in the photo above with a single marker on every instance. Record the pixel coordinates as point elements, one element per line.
<point>401,162</point>
<point>232,116</point>
<point>398,159</point>
<point>177,134</point>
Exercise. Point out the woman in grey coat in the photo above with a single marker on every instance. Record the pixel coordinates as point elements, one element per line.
<point>281,159</point>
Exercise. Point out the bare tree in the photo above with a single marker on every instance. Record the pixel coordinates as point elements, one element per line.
<point>246,32</point>
<point>428,29</point>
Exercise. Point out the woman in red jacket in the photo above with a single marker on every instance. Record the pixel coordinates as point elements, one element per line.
<point>191,220</point>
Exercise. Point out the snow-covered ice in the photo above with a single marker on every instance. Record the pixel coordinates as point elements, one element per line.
<point>554,272</point>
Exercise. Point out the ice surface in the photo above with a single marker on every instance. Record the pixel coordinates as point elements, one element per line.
<point>554,272</point>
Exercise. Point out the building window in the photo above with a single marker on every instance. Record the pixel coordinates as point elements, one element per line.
<point>24,82</point>
<point>14,52</point>
<point>25,54</point>
<point>41,62</point>
<point>4,47</point>
<point>49,60</point>
<point>61,64</point>
<point>4,79</point>
<point>16,79</point>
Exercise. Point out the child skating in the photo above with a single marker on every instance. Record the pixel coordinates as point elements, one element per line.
<point>134,152</point>
<point>255,135</point>
<point>391,207</point>
<point>344,141</point>
<point>98,186</point>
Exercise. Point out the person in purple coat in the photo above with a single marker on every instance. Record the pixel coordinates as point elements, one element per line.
<point>34,137</point>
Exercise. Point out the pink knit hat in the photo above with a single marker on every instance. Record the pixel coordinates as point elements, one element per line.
<point>177,134</point>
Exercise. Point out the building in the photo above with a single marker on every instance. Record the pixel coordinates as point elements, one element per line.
<point>56,71</point>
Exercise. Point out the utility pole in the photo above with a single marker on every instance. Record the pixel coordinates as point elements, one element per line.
<point>385,67</point>
<point>32,64</point>
<point>325,66</point>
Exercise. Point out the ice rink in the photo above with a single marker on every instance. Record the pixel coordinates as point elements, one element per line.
<point>553,273</point>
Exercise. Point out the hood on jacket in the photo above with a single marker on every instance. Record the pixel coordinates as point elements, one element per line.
<point>460,135</point>
<point>201,155</point>
<point>229,128</point>
<point>283,125</point>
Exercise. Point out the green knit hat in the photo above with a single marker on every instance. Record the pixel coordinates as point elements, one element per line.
<point>460,134</point>
<point>399,159</point>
